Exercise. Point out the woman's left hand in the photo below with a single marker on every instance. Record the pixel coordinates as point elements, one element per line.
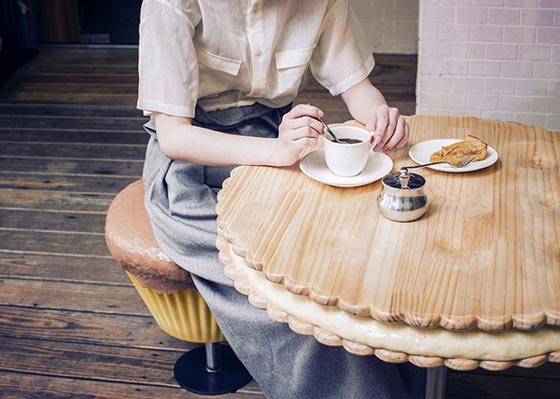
<point>390,128</point>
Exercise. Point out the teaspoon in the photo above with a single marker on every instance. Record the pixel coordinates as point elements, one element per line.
<point>335,139</point>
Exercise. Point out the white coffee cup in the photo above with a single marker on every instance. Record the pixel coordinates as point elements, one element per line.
<point>345,159</point>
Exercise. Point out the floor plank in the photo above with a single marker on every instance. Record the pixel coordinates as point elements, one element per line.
<point>41,69</point>
<point>102,81</point>
<point>71,121</point>
<point>57,166</point>
<point>60,267</point>
<point>112,88</point>
<point>20,386</point>
<point>60,199</point>
<point>72,295</point>
<point>137,331</point>
<point>85,184</point>
<point>37,241</point>
<point>128,100</point>
<point>149,367</point>
<point>30,110</point>
<point>81,360</point>
<point>73,150</point>
<point>56,135</point>
<point>55,220</point>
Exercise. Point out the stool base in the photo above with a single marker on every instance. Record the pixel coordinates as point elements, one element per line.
<point>192,373</point>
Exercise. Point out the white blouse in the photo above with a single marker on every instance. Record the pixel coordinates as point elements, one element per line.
<point>226,53</point>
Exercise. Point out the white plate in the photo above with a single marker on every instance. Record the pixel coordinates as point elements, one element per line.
<point>421,152</point>
<point>314,166</point>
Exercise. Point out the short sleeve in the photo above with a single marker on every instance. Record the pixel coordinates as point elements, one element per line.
<point>167,63</point>
<point>342,57</point>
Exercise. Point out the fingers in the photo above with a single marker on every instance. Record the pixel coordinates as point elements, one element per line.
<point>304,121</point>
<point>382,121</point>
<point>304,110</point>
<point>402,142</point>
<point>398,133</point>
<point>300,133</point>
<point>390,127</point>
<point>301,122</point>
<point>386,123</point>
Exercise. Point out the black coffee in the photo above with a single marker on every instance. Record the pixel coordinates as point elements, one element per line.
<point>349,141</point>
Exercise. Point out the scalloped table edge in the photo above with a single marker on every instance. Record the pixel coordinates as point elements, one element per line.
<point>258,299</point>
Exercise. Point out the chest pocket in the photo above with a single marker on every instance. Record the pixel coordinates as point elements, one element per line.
<point>291,67</point>
<point>216,73</point>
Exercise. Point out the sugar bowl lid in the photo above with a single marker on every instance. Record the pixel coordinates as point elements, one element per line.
<point>403,179</point>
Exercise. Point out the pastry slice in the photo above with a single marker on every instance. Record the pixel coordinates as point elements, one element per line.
<point>458,151</point>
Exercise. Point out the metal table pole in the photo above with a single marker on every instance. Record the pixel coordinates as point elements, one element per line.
<point>436,381</point>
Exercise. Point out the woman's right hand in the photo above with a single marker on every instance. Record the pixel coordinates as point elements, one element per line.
<point>298,131</point>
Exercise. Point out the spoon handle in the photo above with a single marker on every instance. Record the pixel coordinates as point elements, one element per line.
<point>329,130</point>
<point>333,136</point>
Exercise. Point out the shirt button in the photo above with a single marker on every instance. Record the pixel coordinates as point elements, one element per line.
<point>259,53</point>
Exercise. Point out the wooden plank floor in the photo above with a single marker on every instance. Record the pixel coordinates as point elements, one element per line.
<point>71,324</point>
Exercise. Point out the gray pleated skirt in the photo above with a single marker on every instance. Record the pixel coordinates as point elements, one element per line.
<point>180,199</point>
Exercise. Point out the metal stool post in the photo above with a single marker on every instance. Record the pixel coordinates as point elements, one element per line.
<point>212,369</point>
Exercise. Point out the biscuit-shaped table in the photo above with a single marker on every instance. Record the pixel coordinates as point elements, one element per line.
<point>474,283</point>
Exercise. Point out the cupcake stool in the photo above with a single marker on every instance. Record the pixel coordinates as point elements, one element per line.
<point>170,295</point>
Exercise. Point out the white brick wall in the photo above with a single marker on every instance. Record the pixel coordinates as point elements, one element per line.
<point>490,58</point>
<point>390,25</point>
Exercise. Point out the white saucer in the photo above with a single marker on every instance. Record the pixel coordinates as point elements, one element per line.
<point>314,166</point>
<point>421,152</point>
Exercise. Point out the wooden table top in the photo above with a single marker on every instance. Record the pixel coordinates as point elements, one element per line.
<point>486,255</point>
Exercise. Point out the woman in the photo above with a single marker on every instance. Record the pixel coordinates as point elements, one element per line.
<point>218,78</point>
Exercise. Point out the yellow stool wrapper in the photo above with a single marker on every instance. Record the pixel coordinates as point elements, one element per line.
<point>182,314</point>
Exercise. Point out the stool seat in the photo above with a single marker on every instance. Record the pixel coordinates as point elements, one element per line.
<point>130,239</point>
<point>171,297</point>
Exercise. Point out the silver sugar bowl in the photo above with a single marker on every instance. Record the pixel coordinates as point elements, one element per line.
<point>402,197</point>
